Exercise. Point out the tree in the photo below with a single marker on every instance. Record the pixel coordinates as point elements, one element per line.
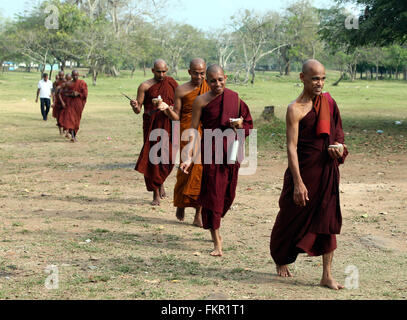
<point>178,41</point>
<point>381,22</point>
<point>258,36</point>
<point>299,30</point>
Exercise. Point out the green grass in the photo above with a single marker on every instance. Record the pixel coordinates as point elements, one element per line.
<point>53,198</point>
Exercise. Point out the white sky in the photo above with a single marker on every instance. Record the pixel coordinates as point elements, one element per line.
<point>203,14</point>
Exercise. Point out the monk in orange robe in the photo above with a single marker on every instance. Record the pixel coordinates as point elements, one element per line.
<point>188,186</point>
<point>157,115</point>
<point>76,93</point>
<point>310,213</point>
<point>219,110</point>
<point>57,105</point>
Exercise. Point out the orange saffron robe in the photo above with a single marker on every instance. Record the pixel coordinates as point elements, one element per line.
<point>188,186</point>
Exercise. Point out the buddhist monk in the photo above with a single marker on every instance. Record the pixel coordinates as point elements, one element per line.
<point>57,106</point>
<point>74,94</point>
<point>310,214</point>
<point>156,117</point>
<point>188,186</point>
<point>222,110</point>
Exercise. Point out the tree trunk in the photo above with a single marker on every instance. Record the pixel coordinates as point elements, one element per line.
<point>50,72</point>
<point>94,76</point>
<point>144,69</point>
<point>287,68</point>
<point>115,72</point>
<point>132,72</point>
<point>339,80</point>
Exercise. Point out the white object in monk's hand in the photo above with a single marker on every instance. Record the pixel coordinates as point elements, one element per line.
<point>233,152</point>
<point>157,100</point>
<point>236,121</point>
<point>336,146</point>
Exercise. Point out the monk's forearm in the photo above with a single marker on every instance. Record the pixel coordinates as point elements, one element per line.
<point>294,166</point>
<point>172,115</point>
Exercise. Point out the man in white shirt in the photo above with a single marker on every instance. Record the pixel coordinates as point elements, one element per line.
<point>44,91</point>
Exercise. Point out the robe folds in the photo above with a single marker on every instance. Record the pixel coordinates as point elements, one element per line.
<point>188,186</point>
<point>56,111</point>
<point>72,114</point>
<point>156,174</point>
<point>311,229</point>
<point>219,181</point>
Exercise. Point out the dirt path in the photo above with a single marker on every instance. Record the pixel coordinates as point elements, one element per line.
<point>90,217</point>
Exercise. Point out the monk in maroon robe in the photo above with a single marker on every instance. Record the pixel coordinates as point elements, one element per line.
<point>157,96</point>
<point>57,105</point>
<point>215,110</point>
<point>310,214</point>
<point>76,94</point>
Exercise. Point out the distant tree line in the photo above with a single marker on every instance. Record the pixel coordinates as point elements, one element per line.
<point>108,36</point>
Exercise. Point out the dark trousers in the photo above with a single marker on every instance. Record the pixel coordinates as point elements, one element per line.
<point>45,105</point>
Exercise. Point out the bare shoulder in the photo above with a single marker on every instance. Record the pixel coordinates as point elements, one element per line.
<point>144,86</point>
<point>203,99</point>
<point>182,90</point>
<point>294,110</point>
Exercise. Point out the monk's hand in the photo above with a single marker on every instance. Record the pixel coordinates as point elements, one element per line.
<point>236,124</point>
<point>300,194</point>
<point>162,106</point>
<point>336,152</point>
<point>185,165</point>
<point>134,104</point>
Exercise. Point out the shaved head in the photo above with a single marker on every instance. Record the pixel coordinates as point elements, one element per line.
<point>159,70</point>
<point>197,63</point>
<point>160,63</point>
<point>313,77</point>
<point>216,79</point>
<point>312,65</point>
<point>215,68</point>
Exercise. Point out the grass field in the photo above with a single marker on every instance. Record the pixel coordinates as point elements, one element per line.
<point>83,208</point>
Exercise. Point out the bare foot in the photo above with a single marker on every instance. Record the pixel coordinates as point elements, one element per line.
<point>331,284</point>
<point>198,218</point>
<point>156,198</point>
<point>216,253</point>
<point>180,214</point>
<point>283,271</point>
<point>155,202</point>
<point>162,192</point>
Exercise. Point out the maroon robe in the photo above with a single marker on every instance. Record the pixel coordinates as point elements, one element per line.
<point>312,228</point>
<point>72,114</point>
<point>156,174</point>
<point>218,186</point>
<point>56,111</point>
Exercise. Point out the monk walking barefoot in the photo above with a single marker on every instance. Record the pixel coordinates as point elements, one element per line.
<point>157,115</point>
<point>310,213</point>
<point>215,110</point>
<point>188,186</point>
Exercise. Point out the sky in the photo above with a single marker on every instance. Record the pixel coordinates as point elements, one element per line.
<point>204,14</point>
